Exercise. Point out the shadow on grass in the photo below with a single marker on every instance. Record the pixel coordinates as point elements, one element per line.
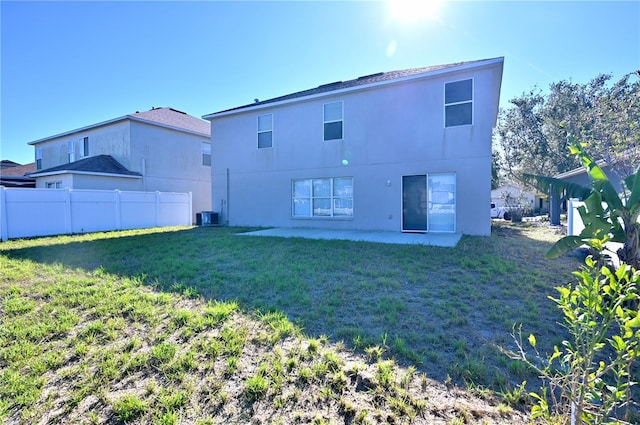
<point>442,309</point>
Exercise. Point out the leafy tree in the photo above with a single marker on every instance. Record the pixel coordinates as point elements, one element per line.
<point>590,377</point>
<point>496,167</point>
<point>532,134</point>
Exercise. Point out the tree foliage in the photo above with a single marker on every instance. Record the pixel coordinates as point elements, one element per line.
<point>532,133</point>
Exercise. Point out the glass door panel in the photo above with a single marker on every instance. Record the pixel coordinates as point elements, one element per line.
<point>414,203</point>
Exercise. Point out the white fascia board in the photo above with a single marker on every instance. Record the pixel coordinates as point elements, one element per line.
<point>115,120</point>
<point>78,130</point>
<point>428,74</point>
<point>87,173</point>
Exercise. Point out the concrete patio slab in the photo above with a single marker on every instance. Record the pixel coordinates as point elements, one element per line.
<point>433,239</point>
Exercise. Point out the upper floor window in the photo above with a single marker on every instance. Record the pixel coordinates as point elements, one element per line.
<point>71,151</point>
<point>458,103</point>
<point>332,120</point>
<point>205,148</point>
<point>265,131</point>
<point>85,146</point>
<point>38,158</point>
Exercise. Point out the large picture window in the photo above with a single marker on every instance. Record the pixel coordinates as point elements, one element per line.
<point>327,197</point>
<point>265,131</point>
<point>458,103</point>
<point>333,121</point>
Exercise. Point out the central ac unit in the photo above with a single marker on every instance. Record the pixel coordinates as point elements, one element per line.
<point>207,218</point>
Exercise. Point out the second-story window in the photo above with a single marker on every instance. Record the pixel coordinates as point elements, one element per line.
<point>85,146</point>
<point>38,158</point>
<point>332,120</point>
<point>458,103</point>
<point>265,131</point>
<point>71,151</point>
<point>205,148</point>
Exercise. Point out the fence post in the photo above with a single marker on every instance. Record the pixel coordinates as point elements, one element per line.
<point>68,220</point>
<point>157,208</point>
<point>190,217</point>
<point>4,231</point>
<point>118,212</point>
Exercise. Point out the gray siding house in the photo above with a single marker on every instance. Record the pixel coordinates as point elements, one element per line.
<point>404,151</point>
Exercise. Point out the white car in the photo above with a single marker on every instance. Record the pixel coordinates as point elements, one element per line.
<point>500,212</point>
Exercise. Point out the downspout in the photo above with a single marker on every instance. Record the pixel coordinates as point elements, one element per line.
<point>143,166</point>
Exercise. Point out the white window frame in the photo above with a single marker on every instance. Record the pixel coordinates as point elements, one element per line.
<point>205,150</point>
<point>325,121</point>
<point>71,151</point>
<point>333,199</point>
<point>53,185</point>
<point>38,158</point>
<point>269,130</point>
<point>85,146</point>
<point>470,101</point>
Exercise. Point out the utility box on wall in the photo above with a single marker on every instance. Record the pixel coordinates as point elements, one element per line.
<point>207,218</point>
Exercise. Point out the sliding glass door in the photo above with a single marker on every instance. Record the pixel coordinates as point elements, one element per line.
<point>429,203</point>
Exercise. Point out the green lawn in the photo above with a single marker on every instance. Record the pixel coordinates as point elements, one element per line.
<point>75,309</point>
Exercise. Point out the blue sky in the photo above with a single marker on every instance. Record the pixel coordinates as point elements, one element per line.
<point>65,65</point>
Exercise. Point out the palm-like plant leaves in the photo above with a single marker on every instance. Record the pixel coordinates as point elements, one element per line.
<point>604,214</point>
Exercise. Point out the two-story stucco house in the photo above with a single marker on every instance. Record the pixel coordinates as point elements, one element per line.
<point>162,149</point>
<point>397,151</point>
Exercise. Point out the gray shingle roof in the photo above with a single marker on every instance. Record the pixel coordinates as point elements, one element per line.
<point>174,118</point>
<point>103,164</point>
<point>360,81</point>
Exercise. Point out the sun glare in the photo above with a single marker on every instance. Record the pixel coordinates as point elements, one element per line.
<point>414,10</point>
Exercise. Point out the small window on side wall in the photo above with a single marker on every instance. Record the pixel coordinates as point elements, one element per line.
<point>265,131</point>
<point>38,158</point>
<point>205,148</point>
<point>458,103</point>
<point>85,146</point>
<point>71,151</point>
<point>333,121</point>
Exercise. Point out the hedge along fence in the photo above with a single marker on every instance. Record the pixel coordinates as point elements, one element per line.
<point>45,212</point>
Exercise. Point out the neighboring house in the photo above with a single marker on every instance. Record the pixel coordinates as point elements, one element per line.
<point>537,202</point>
<point>398,151</point>
<point>162,149</point>
<point>13,174</point>
<point>579,175</point>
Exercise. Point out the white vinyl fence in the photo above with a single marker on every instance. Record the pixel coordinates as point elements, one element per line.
<point>43,212</point>
<point>574,221</point>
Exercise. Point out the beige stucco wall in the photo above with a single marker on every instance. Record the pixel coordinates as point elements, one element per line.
<point>169,160</point>
<point>111,139</point>
<point>389,132</point>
